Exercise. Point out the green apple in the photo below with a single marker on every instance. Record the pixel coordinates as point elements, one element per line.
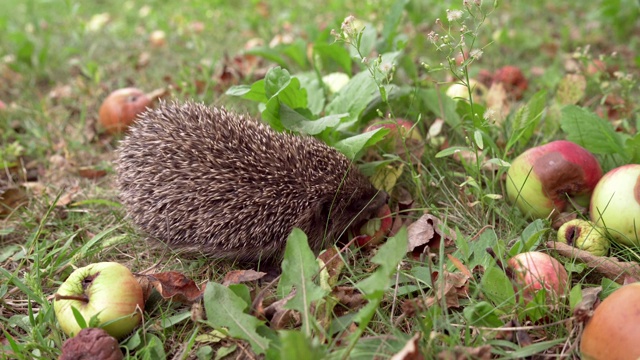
<point>105,289</point>
<point>543,179</point>
<point>584,235</point>
<point>615,204</point>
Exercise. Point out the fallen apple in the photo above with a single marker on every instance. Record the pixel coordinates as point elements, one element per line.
<point>121,107</point>
<point>584,235</point>
<point>107,290</point>
<point>613,330</point>
<point>374,230</point>
<point>545,178</point>
<point>459,91</point>
<point>402,137</point>
<point>534,271</point>
<point>615,204</point>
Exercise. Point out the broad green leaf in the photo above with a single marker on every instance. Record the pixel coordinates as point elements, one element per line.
<point>591,132</point>
<point>296,122</point>
<point>482,314</point>
<point>530,238</point>
<point>335,52</point>
<point>271,54</point>
<point>276,80</point>
<point>450,151</point>
<point>354,97</point>
<point>254,92</point>
<point>392,20</point>
<point>352,146</point>
<point>575,296</point>
<point>298,269</point>
<point>310,82</point>
<point>442,106</point>
<point>295,345</point>
<point>497,287</point>
<point>388,257</point>
<point>225,309</point>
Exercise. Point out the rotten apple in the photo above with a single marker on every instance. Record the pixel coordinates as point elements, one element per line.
<point>107,290</point>
<point>548,177</point>
<point>534,271</point>
<point>584,235</point>
<point>615,204</point>
<point>374,230</point>
<point>613,330</point>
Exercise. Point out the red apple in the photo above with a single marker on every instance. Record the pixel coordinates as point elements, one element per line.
<point>105,289</point>
<point>512,79</point>
<point>121,107</point>
<point>615,204</point>
<point>614,329</point>
<point>374,230</point>
<point>543,178</point>
<point>534,271</point>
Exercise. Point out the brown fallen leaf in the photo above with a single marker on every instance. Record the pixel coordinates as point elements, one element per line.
<point>279,317</point>
<point>174,285</point>
<point>240,276</point>
<point>451,289</point>
<point>584,309</point>
<point>91,173</point>
<point>609,267</point>
<point>428,231</point>
<point>11,199</point>
<point>410,351</point>
<point>332,267</point>
<point>350,297</point>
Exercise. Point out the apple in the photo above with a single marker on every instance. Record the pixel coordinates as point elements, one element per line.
<point>158,38</point>
<point>374,230</point>
<point>513,80</point>
<point>91,343</point>
<point>121,107</point>
<point>584,235</point>
<point>402,136</point>
<point>534,271</point>
<point>613,330</point>
<point>105,289</point>
<point>615,204</point>
<point>543,178</point>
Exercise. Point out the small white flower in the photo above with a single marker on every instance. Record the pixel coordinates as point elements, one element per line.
<point>453,15</point>
<point>489,114</point>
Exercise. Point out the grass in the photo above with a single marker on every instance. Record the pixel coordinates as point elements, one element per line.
<point>59,60</point>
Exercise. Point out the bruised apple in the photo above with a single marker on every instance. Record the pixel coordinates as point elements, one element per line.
<point>374,230</point>
<point>615,204</point>
<point>584,235</point>
<point>613,330</point>
<point>534,271</point>
<point>545,178</point>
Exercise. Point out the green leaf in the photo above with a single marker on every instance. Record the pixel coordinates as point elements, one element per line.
<point>441,105</point>
<point>450,151</point>
<point>295,345</point>
<point>526,120</point>
<point>226,309</point>
<point>575,296</point>
<point>298,269</point>
<point>79,318</point>
<point>591,132</point>
<point>334,52</point>
<point>497,287</point>
<point>354,97</point>
<point>633,149</point>
<point>352,146</point>
<point>276,80</point>
<point>392,20</point>
<point>254,92</point>
<point>296,122</point>
<point>482,314</point>
<point>530,238</point>
<point>388,257</point>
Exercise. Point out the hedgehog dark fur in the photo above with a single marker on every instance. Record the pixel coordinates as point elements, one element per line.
<point>211,181</point>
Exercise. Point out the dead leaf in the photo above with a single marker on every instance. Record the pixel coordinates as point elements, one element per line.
<point>453,287</point>
<point>459,265</point>
<point>332,265</point>
<point>174,285</point>
<point>143,60</point>
<point>350,297</point>
<point>241,276</point>
<point>428,232</point>
<point>466,353</point>
<point>91,173</point>
<point>11,199</point>
<point>279,317</point>
<point>609,267</point>
<point>410,351</point>
<point>584,309</point>
<point>67,197</point>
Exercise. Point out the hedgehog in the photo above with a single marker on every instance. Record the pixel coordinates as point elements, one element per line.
<point>207,180</point>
